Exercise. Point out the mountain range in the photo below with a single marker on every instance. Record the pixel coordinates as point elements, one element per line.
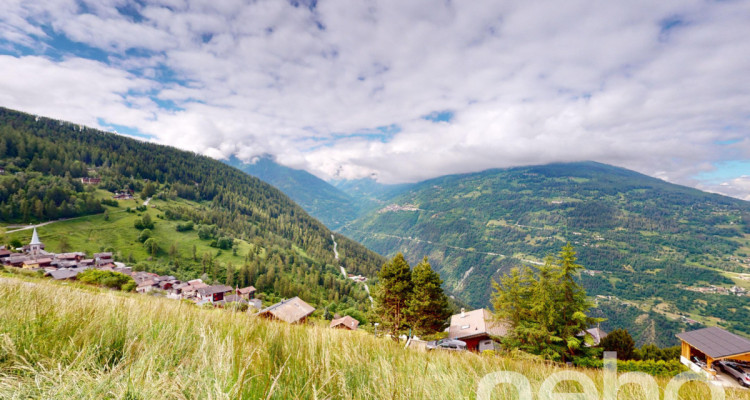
<point>658,255</point>
<point>208,219</point>
<point>653,249</point>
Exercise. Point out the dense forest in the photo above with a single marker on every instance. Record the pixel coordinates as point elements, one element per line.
<point>644,240</point>
<point>44,160</point>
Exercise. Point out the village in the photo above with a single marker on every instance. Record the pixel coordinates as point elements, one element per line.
<point>710,351</point>
<point>67,266</point>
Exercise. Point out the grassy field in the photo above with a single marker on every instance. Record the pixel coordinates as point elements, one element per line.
<point>93,234</point>
<point>70,342</point>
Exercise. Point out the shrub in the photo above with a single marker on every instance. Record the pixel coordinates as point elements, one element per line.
<point>110,279</point>
<point>145,235</point>
<point>651,367</point>
<point>144,223</point>
<point>205,233</point>
<point>619,340</point>
<point>152,246</point>
<point>187,226</point>
<point>110,202</point>
<point>224,243</point>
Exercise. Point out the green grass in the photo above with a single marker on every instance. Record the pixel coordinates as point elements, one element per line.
<point>68,342</point>
<point>93,234</point>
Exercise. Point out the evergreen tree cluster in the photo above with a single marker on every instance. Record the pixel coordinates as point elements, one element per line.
<point>411,298</point>
<point>545,308</point>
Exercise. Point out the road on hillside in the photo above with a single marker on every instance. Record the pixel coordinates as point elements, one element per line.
<point>20,228</point>
<point>343,271</point>
<point>27,227</point>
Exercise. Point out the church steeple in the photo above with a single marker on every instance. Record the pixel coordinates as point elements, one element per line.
<point>35,247</point>
<point>35,238</point>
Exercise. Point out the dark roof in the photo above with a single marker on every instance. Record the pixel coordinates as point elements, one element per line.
<point>233,298</point>
<point>209,290</point>
<point>716,342</point>
<point>63,274</point>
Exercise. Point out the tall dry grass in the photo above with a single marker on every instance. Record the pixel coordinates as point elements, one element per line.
<point>65,342</point>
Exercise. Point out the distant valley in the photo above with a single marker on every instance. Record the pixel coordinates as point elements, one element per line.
<point>660,256</point>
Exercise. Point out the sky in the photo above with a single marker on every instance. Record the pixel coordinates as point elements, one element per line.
<point>400,91</point>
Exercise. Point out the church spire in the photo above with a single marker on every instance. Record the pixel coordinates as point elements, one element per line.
<point>35,238</point>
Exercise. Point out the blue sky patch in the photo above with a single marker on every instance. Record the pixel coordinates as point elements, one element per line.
<point>725,170</point>
<point>440,116</point>
<point>61,47</point>
<point>122,129</point>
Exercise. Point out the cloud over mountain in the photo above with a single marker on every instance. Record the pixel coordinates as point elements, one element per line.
<point>398,90</point>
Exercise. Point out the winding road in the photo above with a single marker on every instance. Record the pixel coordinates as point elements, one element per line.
<point>343,271</point>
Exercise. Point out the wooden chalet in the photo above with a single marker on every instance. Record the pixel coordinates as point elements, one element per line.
<point>293,311</point>
<point>476,328</point>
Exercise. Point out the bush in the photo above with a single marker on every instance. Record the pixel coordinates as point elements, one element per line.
<point>110,279</point>
<point>145,235</point>
<point>651,367</point>
<point>128,287</point>
<point>619,340</point>
<point>205,233</point>
<point>110,202</point>
<point>224,243</point>
<point>187,226</point>
<point>144,223</point>
<point>152,246</point>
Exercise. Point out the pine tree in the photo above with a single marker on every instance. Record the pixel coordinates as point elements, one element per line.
<point>428,307</point>
<point>619,340</point>
<point>392,295</point>
<point>545,308</point>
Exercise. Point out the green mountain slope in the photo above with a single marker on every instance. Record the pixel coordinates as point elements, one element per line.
<point>319,198</point>
<point>645,240</point>
<point>335,204</point>
<point>240,223</point>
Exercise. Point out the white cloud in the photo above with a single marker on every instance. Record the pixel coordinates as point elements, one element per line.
<point>529,82</point>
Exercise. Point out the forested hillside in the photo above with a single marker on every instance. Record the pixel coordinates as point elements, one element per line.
<point>44,159</point>
<point>643,240</point>
<point>319,198</point>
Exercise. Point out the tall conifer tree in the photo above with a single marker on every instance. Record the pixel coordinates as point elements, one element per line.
<point>392,295</point>
<point>428,306</point>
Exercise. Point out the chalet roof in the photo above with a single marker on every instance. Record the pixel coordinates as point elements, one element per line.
<point>147,283</point>
<point>103,255</point>
<point>291,311</point>
<point>69,256</point>
<point>194,286</point>
<point>716,342</point>
<point>345,321</point>
<point>246,290</point>
<point>35,238</point>
<point>63,274</point>
<point>209,290</point>
<point>17,258</point>
<point>5,253</point>
<point>233,298</point>
<point>478,322</point>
